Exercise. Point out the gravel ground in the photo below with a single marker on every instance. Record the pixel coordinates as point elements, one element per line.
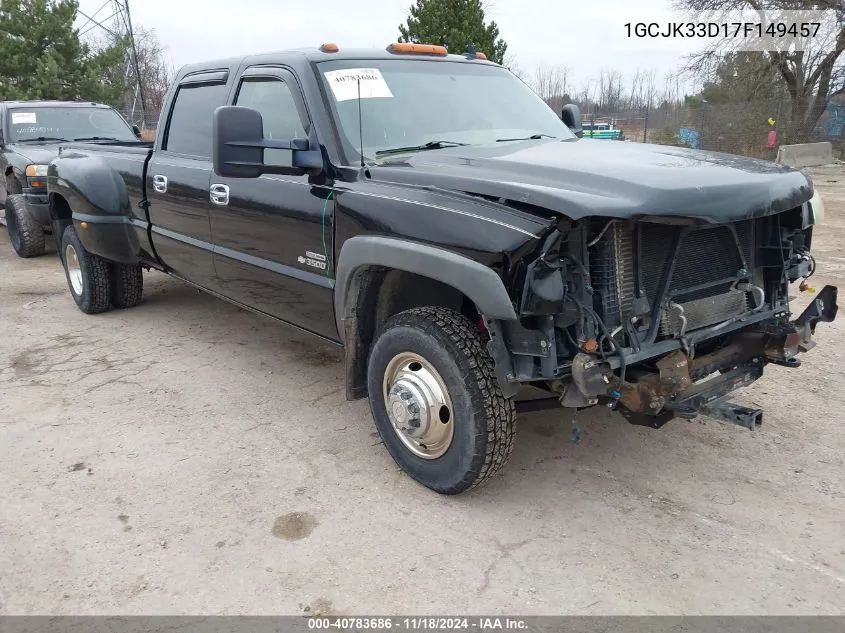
<point>189,457</point>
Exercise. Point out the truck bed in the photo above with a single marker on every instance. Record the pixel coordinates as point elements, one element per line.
<point>128,160</point>
<point>123,173</point>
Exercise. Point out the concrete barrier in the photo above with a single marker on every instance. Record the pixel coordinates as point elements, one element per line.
<point>805,154</point>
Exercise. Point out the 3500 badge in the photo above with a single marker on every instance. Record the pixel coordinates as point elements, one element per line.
<point>315,260</point>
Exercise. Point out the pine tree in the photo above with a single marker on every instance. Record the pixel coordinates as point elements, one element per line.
<point>42,57</point>
<point>455,24</point>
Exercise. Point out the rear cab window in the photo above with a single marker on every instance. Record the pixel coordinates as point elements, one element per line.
<point>189,129</point>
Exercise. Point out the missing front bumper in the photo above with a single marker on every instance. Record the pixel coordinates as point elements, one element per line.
<point>687,387</point>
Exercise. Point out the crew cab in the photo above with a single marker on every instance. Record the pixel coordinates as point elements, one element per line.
<point>30,134</point>
<point>429,213</point>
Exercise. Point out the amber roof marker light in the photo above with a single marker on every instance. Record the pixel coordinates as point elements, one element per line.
<point>329,47</point>
<point>417,49</point>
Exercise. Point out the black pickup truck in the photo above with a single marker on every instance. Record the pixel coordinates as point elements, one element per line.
<point>30,134</point>
<point>434,217</point>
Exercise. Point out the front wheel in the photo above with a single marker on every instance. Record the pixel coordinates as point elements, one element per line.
<point>87,275</point>
<point>436,401</point>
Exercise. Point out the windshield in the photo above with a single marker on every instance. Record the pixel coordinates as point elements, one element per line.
<point>409,103</point>
<point>67,124</point>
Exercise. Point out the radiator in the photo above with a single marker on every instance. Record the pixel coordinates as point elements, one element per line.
<point>705,255</point>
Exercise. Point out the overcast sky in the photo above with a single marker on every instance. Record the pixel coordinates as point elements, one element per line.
<point>586,36</point>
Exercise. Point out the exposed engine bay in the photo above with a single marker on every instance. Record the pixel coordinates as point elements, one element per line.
<point>662,317</point>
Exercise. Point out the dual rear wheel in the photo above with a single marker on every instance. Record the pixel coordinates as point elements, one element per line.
<point>96,284</point>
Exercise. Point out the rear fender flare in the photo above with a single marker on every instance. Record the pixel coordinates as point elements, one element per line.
<point>97,195</point>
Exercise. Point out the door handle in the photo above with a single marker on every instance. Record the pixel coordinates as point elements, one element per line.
<point>219,194</point>
<point>160,183</point>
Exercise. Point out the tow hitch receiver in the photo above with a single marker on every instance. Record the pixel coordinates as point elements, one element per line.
<point>733,413</point>
<point>711,397</point>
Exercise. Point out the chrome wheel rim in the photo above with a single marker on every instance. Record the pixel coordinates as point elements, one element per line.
<point>418,405</point>
<point>74,270</point>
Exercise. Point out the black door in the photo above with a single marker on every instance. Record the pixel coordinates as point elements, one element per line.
<point>273,235</point>
<point>178,177</point>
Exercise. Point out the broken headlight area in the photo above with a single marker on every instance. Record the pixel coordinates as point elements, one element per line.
<point>661,317</point>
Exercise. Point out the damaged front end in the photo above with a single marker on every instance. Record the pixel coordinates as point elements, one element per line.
<point>660,317</point>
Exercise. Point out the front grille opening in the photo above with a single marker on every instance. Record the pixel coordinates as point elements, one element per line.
<point>629,263</point>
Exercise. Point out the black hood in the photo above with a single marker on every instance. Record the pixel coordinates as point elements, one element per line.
<point>587,177</point>
<point>35,153</point>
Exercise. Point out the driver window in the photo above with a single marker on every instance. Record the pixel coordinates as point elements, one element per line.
<point>273,99</point>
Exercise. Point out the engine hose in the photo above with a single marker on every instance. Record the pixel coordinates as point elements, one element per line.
<point>601,234</point>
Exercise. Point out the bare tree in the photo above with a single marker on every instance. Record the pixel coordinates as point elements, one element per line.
<point>155,69</point>
<point>551,83</point>
<point>811,77</point>
<point>635,94</point>
<point>512,65</point>
<point>611,91</point>
<point>587,98</point>
<point>649,88</point>
<point>671,89</point>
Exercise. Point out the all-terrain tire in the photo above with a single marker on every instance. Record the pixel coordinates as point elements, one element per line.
<point>94,296</point>
<point>26,235</point>
<point>484,432</point>
<point>127,285</point>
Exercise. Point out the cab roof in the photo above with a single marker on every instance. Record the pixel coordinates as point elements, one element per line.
<point>314,55</point>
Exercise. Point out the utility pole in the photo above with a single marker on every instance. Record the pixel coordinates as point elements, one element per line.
<point>117,24</point>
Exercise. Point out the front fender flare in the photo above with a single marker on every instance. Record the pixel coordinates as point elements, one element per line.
<point>478,282</point>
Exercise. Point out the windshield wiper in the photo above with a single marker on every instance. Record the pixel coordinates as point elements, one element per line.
<point>533,137</point>
<point>420,148</point>
<point>42,138</point>
<point>96,138</point>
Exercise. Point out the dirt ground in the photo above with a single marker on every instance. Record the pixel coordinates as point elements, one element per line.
<point>189,457</point>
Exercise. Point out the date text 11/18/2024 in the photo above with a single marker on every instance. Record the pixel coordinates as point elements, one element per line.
<point>427,623</point>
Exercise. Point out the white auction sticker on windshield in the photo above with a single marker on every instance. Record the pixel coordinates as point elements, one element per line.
<point>344,83</point>
<point>23,117</point>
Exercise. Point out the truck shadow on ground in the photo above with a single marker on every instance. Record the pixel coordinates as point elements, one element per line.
<point>545,455</point>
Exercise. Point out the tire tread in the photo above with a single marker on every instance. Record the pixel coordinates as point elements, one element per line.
<point>127,285</point>
<point>476,364</point>
<point>96,270</point>
<point>32,242</point>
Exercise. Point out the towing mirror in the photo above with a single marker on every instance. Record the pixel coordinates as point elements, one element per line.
<point>239,147</point>
<point>571,115</point>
